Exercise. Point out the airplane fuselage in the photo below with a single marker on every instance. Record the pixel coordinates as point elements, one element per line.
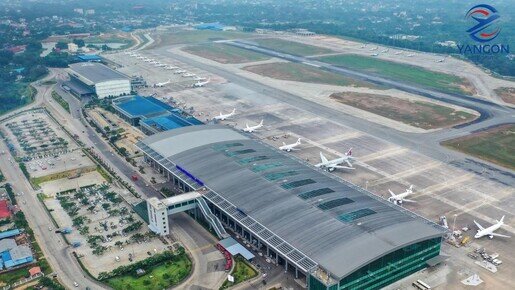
<point>488,231</point>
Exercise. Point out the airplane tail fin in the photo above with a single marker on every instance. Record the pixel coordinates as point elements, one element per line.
<point>247,125</point>
<point>322,157</point>
<point>349,153</point>
<point>391,193</point>
<point>502,219</point>
<point>233,111</point>
<point>261,123</point>
<point>298,141</point>
<point>411,188</point>
<point>284,144</point>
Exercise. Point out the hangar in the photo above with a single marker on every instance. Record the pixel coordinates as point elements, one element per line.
<point>331,232</point>
<point>99,78</point>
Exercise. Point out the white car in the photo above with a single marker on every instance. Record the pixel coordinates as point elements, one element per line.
<point>75,284</point>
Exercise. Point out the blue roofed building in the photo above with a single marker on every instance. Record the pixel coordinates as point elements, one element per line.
<point>89,57</point>
<point>216,26</point>
<point>12,254</point>
<point>10,233</point>
<point>152,114</point>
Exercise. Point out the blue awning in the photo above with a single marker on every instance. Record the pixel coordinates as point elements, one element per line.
<point>235,248</point>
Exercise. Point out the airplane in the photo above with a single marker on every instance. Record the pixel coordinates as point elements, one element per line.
<point>385,50</point>
<point>331,165</point>
<point>171,67</point>
<point>160,85</point>
<point>398,52</point>
<point>374,48</point>
<point>374,54</point>
<point>440,60</point>
<point>188,75</point>
<point>253,128</point>
<point>411,55</point>
<point>179,71</point>
<point>197,78</point>
<point>223,117</point>
<point>161,65</point>
<point>200,83</point>
<point>401,197</point>
<point>290,147</point>
<point>481,232</point>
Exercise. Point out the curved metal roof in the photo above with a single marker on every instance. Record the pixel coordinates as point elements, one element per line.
<point>336,224</point>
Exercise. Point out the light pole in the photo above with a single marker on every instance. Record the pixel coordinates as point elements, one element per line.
<point>454,224</point>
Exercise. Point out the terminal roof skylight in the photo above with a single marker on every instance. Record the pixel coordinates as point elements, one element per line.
<point>315,193</point>
<point>279,175</point>
<point>225,146</point>
<point>351,216</point>
<point>297,183</point>
<point>253,159</point>
<point>265,166</point>
<point>334,203</point>
<point>239,152</point>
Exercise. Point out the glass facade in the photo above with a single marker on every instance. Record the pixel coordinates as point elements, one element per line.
<point>389,268</point>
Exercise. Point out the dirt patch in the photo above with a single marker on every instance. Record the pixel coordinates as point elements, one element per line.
<point>419,114</point>
<point>302,73</point>
<point>506,94</point>
<point>496,145</point>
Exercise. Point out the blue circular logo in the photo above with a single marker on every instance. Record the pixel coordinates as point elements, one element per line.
<point>486,19</point>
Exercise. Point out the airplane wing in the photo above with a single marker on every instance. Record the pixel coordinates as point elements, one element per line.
<point>499,235</point>
<point>341,167</point>
<point>348,162</point>
<point>391,193</point>
<point>322,157</point>
<point>407,200</point>
<point>479,226</point>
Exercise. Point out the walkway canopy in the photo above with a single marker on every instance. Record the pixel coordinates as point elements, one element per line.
<point>233,247</point>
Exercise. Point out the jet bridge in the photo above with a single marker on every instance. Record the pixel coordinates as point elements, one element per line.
<point>159,210</point>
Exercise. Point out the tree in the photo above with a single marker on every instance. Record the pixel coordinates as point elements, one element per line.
<point>61,45</point>
<point>79,42</point>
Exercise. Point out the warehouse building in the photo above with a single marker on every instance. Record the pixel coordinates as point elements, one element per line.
<point>331,233</point>
<point>151,114</point>
<point>99,78</point>
<point>12,254</point>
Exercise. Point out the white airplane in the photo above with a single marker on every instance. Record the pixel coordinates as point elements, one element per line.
<point>290,147</point>
<point>398,52</point>
<point>374,54</point>
<point>331,165</point>
<point>161,65</point>
<point>481,232</point>
<point>374,48</point>
<point>223,117</point>
<point>188,75</point>
<point>200,83</point>
<point>440,60</point>
<point>401,197</point>
<point>385,50</point>
<point>197,78</point>
<point>171,67</point>
<point>160,85</point>
<point>179,71</point>
<point>411,55</point>
<point>253,128</point>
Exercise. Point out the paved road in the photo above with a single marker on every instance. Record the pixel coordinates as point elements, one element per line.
<point>426,144</point>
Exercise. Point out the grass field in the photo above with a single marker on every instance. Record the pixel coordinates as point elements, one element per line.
<point>402,72</point>
<point>419,114</point>
<point>59,175</point>
<point>160,277</point>
<point>200,36</point>
<point>496,145</point>
<point>15,95</point>
<point>61,101</point>
<point>225,53</point>
<point>302,73</point>
<point>242,272</point>
<point>506,94</point>
<point>292,47</point>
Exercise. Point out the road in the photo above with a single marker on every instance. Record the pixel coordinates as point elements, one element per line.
<point>427,144</point>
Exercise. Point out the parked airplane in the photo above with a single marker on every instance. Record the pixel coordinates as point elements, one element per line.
<point>374,54</point>
<point>188,75</point>
<point>374,48</point>
<point>160,85</point>
<point>200,83</point>
<point>398,52</point>
<point>179,71</point>
<point>197,78</point>
<point>253,128</point>
<point>385,50</point>
<point>290,147</point>
<point>440,60</point>
<point>223,117</point>
<point>481,232</point>
<point>411,55</point>
<point>171,67</point>
<point>331,165</point>
<point>401,197</point>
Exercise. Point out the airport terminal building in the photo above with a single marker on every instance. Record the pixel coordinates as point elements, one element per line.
<point>331,233</point>
<point>88,78</point>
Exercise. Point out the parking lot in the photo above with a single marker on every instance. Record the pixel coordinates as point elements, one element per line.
<point>104,229</point>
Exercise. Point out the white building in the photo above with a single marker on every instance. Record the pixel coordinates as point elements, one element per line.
<point>72,47</point>
<point>104,81</point>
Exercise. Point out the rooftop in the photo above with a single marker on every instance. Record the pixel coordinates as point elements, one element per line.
<point>138,106</point>
<point>305,211</point>
<point>96,72</point>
